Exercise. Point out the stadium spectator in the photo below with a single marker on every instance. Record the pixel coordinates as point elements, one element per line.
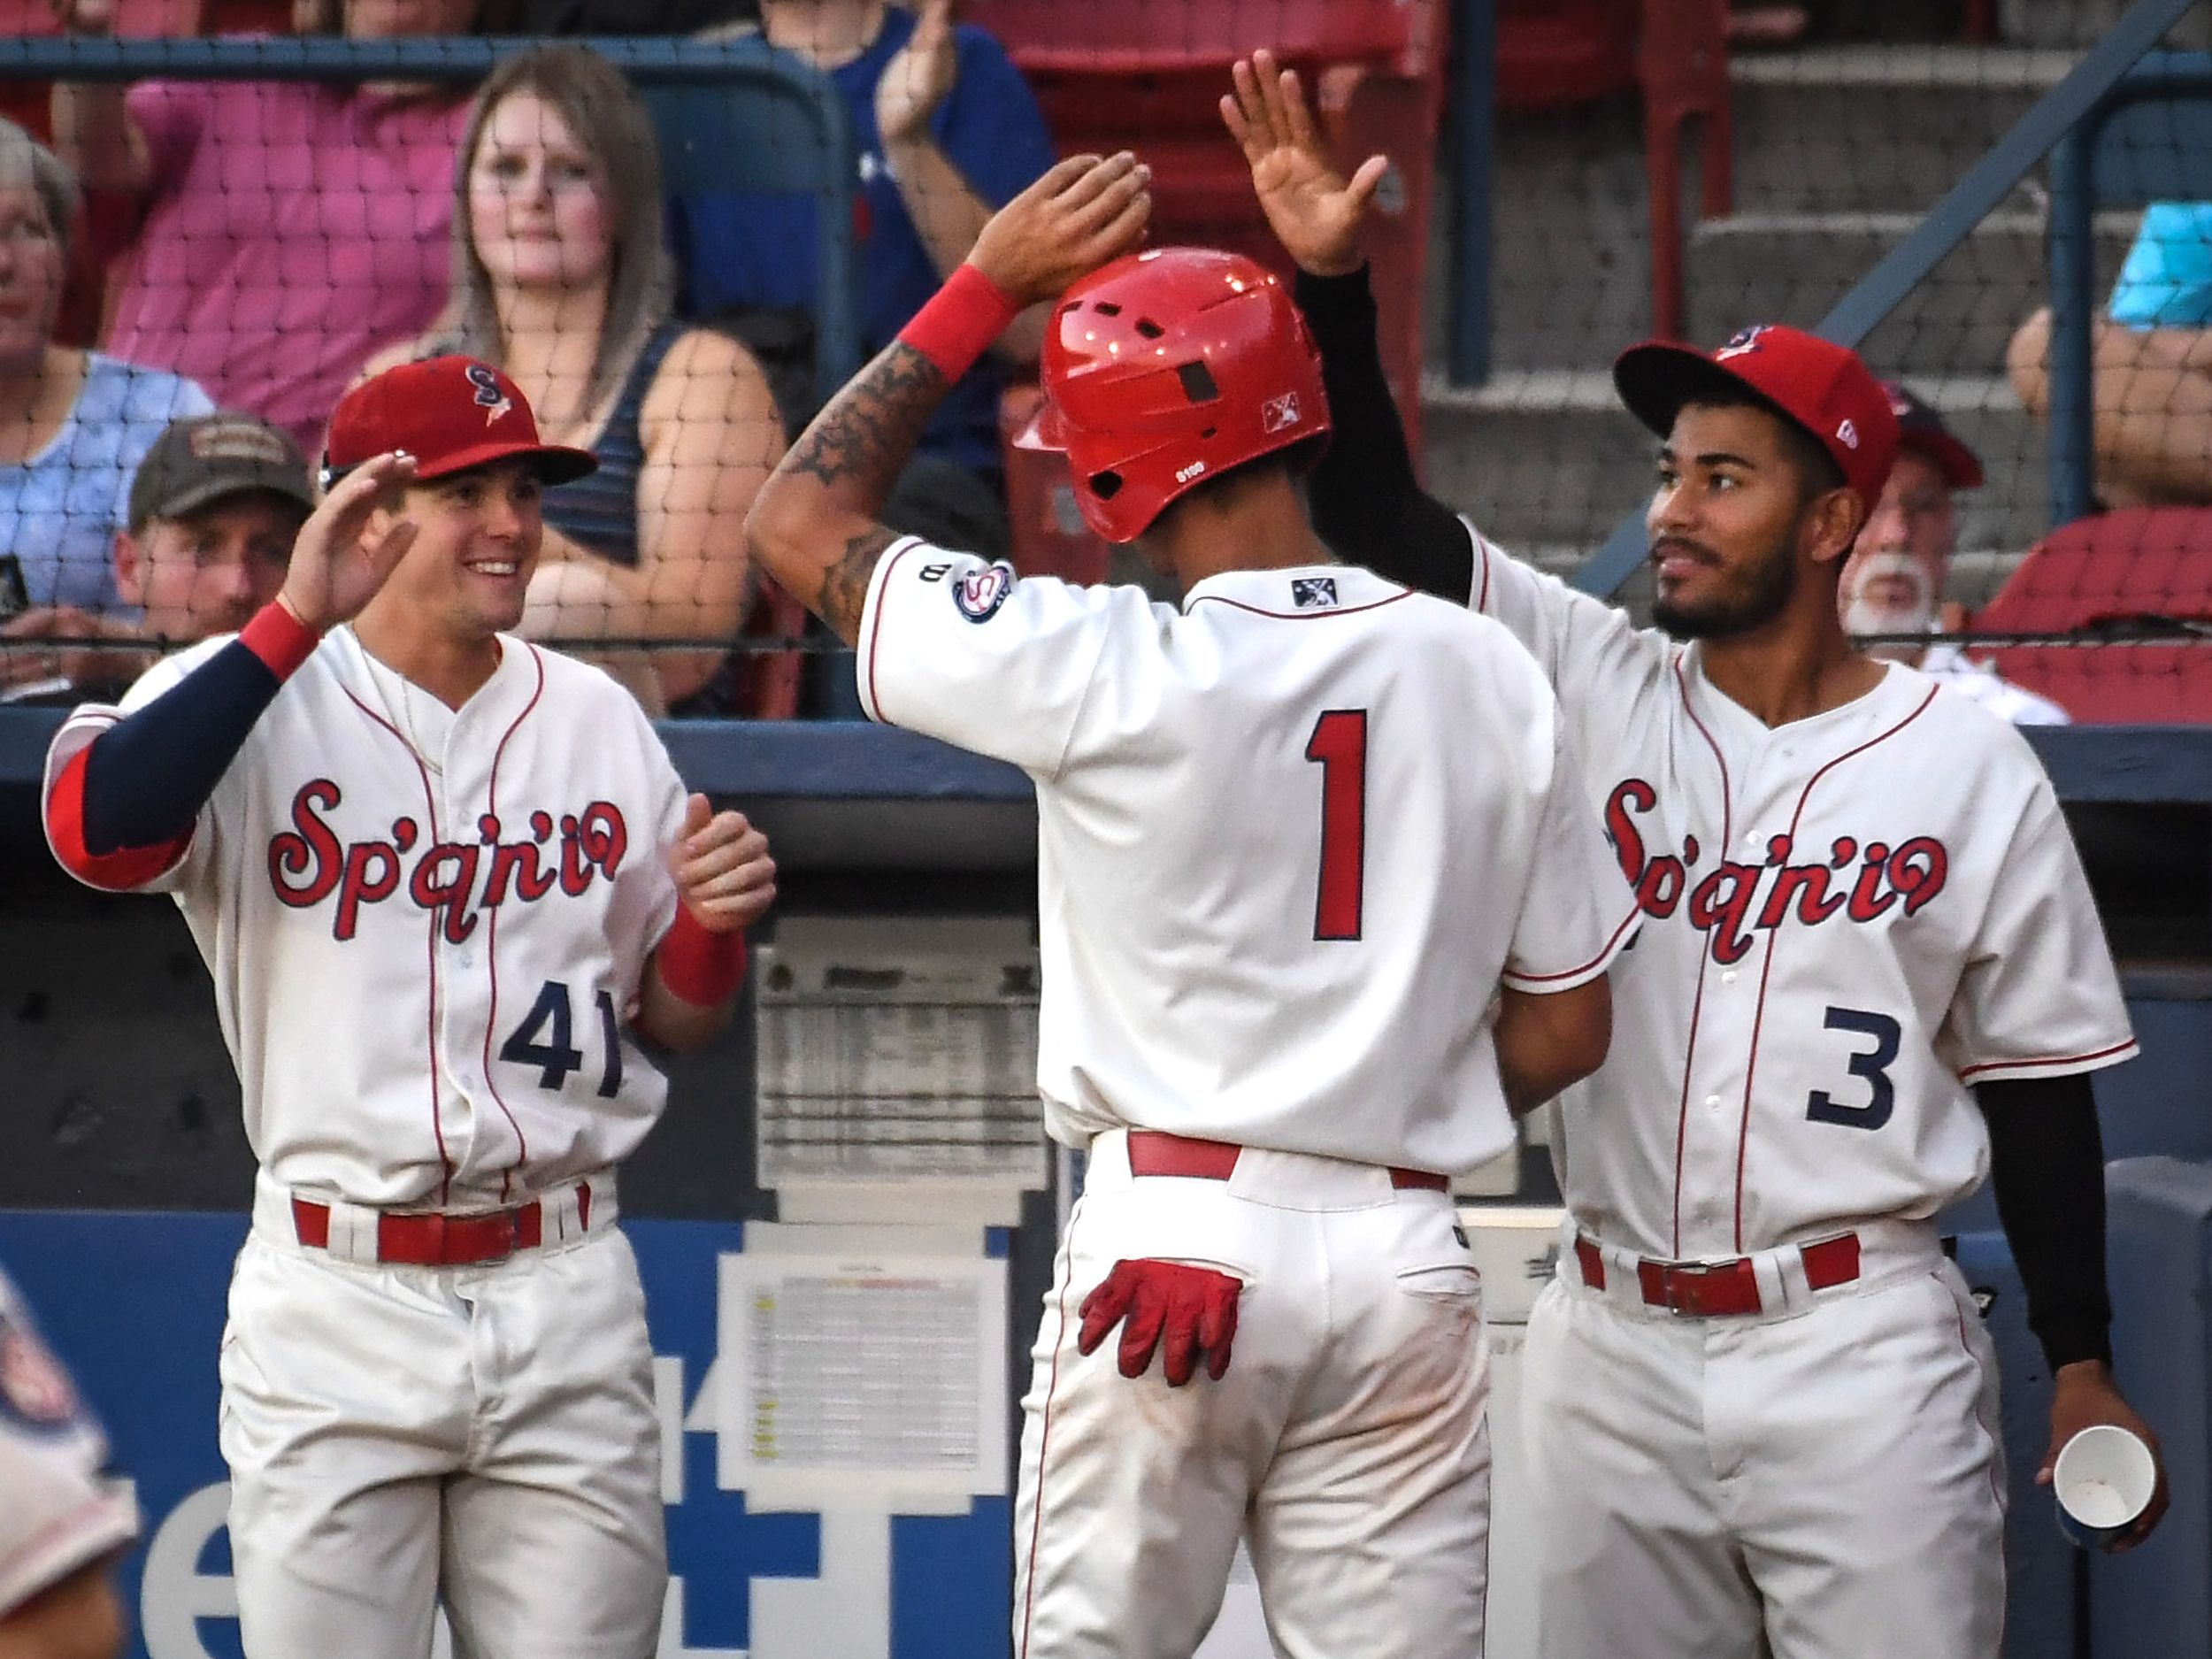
<point>72,424</point>
<point>2151,385</point>
<point>1894,580</point>
<point>281,230</point>
<point>562,279</point>
<point>947,133</point>
<point>213,511</point>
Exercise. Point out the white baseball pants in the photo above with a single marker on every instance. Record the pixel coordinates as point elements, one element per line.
<point>1349,1435</point>
<point>1825,1484</point>
<point>482,1435</point>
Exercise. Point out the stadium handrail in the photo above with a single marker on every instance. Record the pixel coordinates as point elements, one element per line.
<point>1947,224</point>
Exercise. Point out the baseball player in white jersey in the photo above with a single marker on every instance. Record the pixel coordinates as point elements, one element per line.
<point>62,1519</point>
<point>1277,897</point>
<point>1762,1410</point>
<point>440,876</point>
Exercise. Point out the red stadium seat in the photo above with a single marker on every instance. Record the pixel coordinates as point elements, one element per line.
<point>1553,54</point>
<point>1148,74</point>
<point>2150,564</point>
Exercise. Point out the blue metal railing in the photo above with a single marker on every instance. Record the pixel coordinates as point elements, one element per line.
<point>787,131</point>
<point>1948,222</point>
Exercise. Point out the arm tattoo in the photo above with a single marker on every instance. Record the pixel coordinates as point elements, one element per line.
<point>844,591</point>
<point>857,446</point>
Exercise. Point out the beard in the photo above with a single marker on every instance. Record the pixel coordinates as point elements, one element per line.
<point>1914,613</point>
<point>1758,593</point>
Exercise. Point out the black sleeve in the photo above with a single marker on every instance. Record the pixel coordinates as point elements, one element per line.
<point>1367,503</point>
<point>2046,1164</point>
<point>147,777</point>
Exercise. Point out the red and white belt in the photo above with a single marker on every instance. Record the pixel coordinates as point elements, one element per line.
<point>1156,1152</point>
<point>1707,1290</point>
<point>444,1239</point>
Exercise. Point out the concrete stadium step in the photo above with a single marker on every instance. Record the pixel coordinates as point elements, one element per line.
<point>1876,129</point>
<point>2081,23</point>
<point>1792,267</point>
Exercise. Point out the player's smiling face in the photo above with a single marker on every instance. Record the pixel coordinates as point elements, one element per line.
<point>476,544</point>
<point>1727,523</point>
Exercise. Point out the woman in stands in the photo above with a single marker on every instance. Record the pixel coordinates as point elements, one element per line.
<point>74,425</point>
<point>280,230</point>
<point>561,277</point>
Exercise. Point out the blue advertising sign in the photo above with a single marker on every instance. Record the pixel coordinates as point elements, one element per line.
<point>135,1304</point>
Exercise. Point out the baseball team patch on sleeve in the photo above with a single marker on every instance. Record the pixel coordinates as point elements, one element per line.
<point>980,593</point>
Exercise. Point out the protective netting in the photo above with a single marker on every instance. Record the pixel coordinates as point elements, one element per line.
<point>253,245</point>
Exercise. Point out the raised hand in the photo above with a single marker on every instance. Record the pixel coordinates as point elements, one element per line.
<point>916,81</point>
<point>336,566</point>
<point>724,874</point>
<point>1314,210</point>
<point>1082,213</point>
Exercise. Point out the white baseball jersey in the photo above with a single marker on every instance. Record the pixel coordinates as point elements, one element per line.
<point>1291,837</point>
<point>1849,920</point>
<point>1950,666</point>
<point>57,1512</point>
<point>427,927</point>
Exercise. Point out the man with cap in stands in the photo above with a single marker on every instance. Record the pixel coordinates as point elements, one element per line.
<point>1894,583</point>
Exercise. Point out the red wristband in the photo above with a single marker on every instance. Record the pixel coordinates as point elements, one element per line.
<point>962,321</point>
<point>701,968</point>
<point>278,638</point>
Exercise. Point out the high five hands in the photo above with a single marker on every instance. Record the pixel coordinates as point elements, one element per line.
<point>1314,210</point>
<point>1082,213</point>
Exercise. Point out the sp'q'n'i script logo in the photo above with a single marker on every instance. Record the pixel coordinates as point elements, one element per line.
<point>980,593</point>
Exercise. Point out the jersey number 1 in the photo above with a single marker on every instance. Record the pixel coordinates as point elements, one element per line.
<point>1339,743</point>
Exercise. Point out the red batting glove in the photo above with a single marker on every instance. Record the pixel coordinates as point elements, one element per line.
<point>1193,1307</point>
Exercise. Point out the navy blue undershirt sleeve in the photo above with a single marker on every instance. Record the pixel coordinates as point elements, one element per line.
<point>2047,1165</point>
<point>1367,503</point>
<point>147,777</point>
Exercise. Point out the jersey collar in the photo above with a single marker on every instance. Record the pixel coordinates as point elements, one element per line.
<point>1299,590</point>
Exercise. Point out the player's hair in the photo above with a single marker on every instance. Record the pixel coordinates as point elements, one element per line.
<point>55,186</point>
<point>609,122</point>
<point>1816,471</point>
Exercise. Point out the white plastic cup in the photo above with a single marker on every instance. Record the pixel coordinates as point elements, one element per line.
<point>2104,1480</point>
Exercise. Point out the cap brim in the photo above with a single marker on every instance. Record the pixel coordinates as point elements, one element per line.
<point>553,463</point>
<point>1657,378</point>
<point>1961,467</point>
<point>190,500</point>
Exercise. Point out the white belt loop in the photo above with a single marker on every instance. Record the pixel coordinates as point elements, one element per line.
<point>352,1234</point>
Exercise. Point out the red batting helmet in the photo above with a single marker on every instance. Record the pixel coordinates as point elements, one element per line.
<point>1167,368</point>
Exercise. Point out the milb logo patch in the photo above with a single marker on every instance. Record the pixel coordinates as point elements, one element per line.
<point>979,593</point>
<point>1313,592</point>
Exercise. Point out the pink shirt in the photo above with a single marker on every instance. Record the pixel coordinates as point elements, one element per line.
<point>291,229</point>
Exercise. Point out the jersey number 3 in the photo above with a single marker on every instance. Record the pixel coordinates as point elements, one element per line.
<point>1871,1065</point>
<point>1339,743</point>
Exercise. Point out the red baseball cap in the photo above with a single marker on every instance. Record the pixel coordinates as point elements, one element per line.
<point>1920,430</point>
<point>1815,384</point>
<point>450,413</point>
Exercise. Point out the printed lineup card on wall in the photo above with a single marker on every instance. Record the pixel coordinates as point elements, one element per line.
<point>898,1058</point>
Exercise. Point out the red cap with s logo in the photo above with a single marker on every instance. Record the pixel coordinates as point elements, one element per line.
<point>1812,382</point>
<point>451,413</point>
